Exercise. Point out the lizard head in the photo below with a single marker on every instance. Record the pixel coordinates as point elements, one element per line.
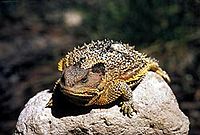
<point>81,85</point>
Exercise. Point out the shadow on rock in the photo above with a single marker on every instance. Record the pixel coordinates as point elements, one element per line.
<point>62,107</point>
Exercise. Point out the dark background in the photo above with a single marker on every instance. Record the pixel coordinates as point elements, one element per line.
<point>35,35</point>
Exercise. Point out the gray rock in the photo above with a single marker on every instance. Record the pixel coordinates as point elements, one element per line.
<point>157,112</point>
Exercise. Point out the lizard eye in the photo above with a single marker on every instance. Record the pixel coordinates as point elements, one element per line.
<point>84,79</point>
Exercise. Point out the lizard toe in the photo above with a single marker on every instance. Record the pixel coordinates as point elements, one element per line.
<point>127,108</point>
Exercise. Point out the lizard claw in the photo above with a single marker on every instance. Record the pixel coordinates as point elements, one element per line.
<point>49,104</point>
<point>127,108</point>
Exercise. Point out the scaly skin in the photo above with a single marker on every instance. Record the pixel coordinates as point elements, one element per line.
<point>102,71</point>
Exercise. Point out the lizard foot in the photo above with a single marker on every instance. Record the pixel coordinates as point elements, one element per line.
<point>49,104</point>
<point>127,108</point>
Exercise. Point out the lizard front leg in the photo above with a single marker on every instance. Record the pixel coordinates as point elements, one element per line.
<point>127,104</point>
<point>111,92</point>
<point>50,103</point>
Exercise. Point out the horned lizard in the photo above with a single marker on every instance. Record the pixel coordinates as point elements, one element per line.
<point>100,72</point>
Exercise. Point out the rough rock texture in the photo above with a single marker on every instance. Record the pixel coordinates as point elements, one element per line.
<point>157,112</point>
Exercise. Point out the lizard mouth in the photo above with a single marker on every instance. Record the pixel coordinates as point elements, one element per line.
<point>83,92</point>
<point>80,96</point>
<point>80,92</point>
<point>86,92</point>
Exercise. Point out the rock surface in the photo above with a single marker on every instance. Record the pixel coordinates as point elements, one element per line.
<point>157,112</point>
